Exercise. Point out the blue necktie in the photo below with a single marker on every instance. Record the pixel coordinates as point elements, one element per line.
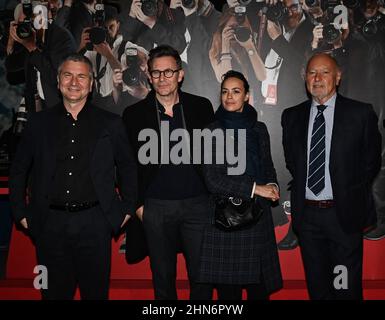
<point>316,175</point>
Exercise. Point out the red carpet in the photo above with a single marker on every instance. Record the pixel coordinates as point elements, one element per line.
<point>22,289</point>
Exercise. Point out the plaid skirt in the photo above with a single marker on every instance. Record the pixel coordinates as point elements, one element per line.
<point>241,257</point>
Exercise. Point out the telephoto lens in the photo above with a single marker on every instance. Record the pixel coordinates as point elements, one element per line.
<point>330,33</point>
<point>98,35</point>
<point>149,7</point>
<point>277,12</point>
<point>24,29</point>
<point>131,75</point>
<point>242,34</point>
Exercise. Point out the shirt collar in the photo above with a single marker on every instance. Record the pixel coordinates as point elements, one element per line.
<point>85,110</point>
<point>329,103</point>
<point>162,109</point>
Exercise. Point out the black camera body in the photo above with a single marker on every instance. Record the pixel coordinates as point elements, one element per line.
<point>24,29</point>
<point>98,33</point>
<point>242,34</point>
<point>277,12</point>
<point>330,34</point>
<point>373,26</point>
<point>131,76</point>
<point>149,7</point>
<point>352,4</point>
<point>240,14</point>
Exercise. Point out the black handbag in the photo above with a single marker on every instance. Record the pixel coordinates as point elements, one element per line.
<point>235,213</point>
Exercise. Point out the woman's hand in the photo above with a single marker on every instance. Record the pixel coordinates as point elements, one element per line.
<point>268,191</point>
<point>227,35</point>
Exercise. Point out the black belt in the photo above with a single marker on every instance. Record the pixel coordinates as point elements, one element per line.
<point>73,207</point>
<point>322,204</point>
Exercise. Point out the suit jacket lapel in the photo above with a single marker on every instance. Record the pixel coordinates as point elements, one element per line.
<point>151,115</point>
<point>337,132</point>
<point>93,132</point>
<point>303,124</point>
<point>52,135</point>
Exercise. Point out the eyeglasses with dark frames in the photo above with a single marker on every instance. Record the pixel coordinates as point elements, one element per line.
<point>168,73</point>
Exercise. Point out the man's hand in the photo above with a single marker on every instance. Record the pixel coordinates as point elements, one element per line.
<point>24,223</point>
<point>148,21</point>
<point>273,29</point>
<point>103,49</point>
<point>317,36</point>
<point>84,39</point>
<point>29,43</point>
<point>139,213</point>
<point>117,78</point>
<point>268,191</point>
<point>135,5</point>
<point>126,218</point>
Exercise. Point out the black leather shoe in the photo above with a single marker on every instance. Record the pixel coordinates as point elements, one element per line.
<point>289,242</point>
<point>377,233</point>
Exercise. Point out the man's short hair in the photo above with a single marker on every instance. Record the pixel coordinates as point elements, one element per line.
<point>76,57</point>
<point>164,51</point>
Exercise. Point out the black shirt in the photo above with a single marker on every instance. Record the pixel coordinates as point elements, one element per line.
<point>72,180</point>
<point>175,182</point>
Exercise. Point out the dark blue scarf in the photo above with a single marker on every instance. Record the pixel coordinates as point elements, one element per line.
<point>244,120</point>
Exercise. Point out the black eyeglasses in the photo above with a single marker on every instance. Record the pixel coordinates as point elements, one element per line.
<point>168,73</point>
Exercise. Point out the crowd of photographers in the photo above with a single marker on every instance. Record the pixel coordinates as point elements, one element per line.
<point>268,40</point>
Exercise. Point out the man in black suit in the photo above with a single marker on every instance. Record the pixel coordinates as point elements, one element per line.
<point>332,149</point>
<point>173,201</point>
<point>71,152</point>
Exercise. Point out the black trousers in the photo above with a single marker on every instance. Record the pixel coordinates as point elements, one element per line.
<point>324,246</point>
<point>255,291</point>
<point>171,226</point>
<point>76,249</point>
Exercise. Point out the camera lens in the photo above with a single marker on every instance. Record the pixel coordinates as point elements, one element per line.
<point>189,4</point>
<point>97,35</point>
<point>24,30</point>
<point>131,75</point>
<point>330,33</point>
<point>149,7</point>
<point>311,3</point>
<point>276,13</point>
<point>242,34</point>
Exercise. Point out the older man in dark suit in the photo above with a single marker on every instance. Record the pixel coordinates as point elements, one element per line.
<point>71,152</point>
<point>332,149</point>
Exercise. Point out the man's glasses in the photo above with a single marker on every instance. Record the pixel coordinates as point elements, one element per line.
<point>294,7</point>
<point>168,73</point>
